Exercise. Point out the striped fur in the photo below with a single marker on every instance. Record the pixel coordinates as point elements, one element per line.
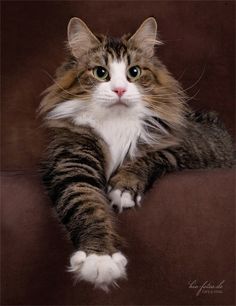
<point>87,166</point>
<point>205,144</point>
<point>75,178</point>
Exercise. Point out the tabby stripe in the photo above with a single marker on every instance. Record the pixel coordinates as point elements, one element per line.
<point>51,173</point>
<point>111,53</point>
<point>72,211</point>
<point>128,59</point>
<point>83,229</point>
<point>83,188</point>
<point>61,186</point>
<point>59,176</point>
<point>66,154</point>
<point>176,156</point>
<point>82,199</point>
<point>63,169</point>
<point>90,143</point>
<point>68,198</point>
<point>91,146</point>
<point>164,160</point>
<point>85,226</point>
<point>89,161</point>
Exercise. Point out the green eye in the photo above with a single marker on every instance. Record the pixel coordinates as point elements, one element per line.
<point>100,73</point>
<point>134,72</point>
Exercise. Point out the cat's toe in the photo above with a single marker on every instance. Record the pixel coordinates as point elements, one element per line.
<point>77,260</point>
<point>138,200</point>
<point>124,199</point>
<point>100,270</point>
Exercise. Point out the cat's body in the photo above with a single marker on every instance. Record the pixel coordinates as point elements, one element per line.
<point>119,121</point>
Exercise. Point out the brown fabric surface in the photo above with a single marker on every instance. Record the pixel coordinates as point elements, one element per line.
<point>184,231</point>
<point>198,36</point>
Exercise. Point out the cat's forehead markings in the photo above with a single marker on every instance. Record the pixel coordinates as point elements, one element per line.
<point>115,47</point>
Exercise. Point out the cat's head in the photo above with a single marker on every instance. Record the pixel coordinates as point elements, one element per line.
<point>108,74</point>
<point>114,72</point>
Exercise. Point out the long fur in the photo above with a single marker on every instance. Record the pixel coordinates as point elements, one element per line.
<point>106,151</point>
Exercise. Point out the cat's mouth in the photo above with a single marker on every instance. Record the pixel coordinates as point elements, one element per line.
<point>119,103</point>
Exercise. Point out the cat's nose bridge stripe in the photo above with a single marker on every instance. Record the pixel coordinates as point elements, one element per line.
<point>118,74</point>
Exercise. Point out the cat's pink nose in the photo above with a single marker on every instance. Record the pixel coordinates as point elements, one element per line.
<point>119,91</point>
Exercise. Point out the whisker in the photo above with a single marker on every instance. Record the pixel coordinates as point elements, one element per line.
<point>198,80</point>
<point>154,99</point>
<point>179,92</point>
<point>59,86</point>
<point>182,74</point>
<point>192,98</point>
<point>162,96</point>
<point>172,94</point>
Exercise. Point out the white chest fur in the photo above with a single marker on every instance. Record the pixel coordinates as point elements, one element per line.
<point>120,127</point>
<point>121,134</point>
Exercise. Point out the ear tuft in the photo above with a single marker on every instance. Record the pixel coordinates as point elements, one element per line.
<point>146,36</point>
<point>80,38</point>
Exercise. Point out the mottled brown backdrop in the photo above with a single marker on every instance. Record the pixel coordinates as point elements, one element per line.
<point>199,43</point>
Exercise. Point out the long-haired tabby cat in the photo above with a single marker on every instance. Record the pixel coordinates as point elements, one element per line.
<point>119,121</point>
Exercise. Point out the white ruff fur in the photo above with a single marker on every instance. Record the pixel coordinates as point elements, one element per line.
<point>120,125</point>
<point>100,270</point>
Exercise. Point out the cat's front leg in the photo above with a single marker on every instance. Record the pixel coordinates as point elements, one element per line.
<point>98,259</point>
<point>129,183</point>
<point>125,189</point>
<point>75,177</point>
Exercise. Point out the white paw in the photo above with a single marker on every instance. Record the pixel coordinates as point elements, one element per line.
<point>100,270</point>
<point>123,199</point>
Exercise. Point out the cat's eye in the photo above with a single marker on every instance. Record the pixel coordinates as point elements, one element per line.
<point>100,73</point>
<point>134,72</point>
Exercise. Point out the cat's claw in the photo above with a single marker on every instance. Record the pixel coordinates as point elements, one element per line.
<point>100,270</point>
<point>122,200</point>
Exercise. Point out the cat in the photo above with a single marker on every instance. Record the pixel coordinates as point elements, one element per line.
<point>118,121</point>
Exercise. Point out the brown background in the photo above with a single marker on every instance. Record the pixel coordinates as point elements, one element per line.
<point>198,36</point>
<point>186,227</point>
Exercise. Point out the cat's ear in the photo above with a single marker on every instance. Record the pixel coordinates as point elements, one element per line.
<point>145,37</point>
<point>80,38</point>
